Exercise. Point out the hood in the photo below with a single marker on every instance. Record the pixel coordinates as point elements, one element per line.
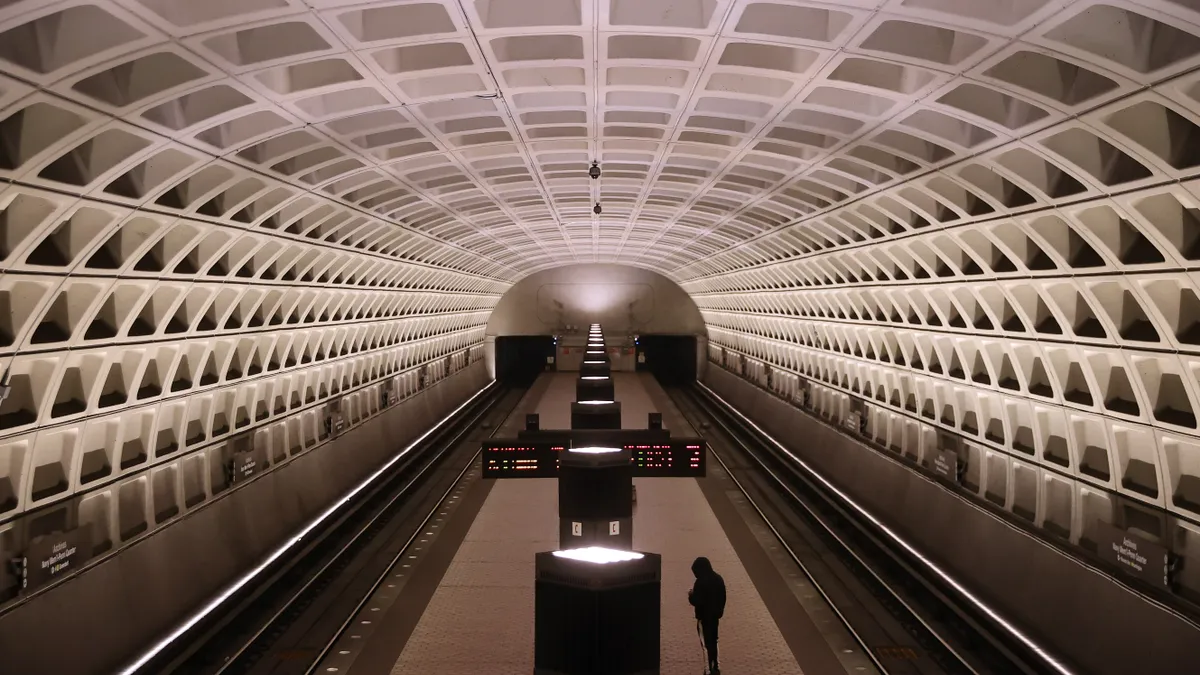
<point>701,567</point>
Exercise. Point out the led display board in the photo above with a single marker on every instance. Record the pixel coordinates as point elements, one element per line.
<point>680,457</point>
<point>520,459</point>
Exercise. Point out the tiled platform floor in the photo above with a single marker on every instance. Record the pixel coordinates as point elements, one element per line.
<point>480,619</point>
<point>636,404</point>
<point>674,519</point>
<point>555,406</point>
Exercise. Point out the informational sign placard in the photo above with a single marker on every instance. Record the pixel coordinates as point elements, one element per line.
<point>857,417</point>
<point>242,461</point>
<point>53,556</point>
<point>337,420</point>
<point>945,465</point>
<point>946,457</point>
<point>1133,554</point>
<point>804,393</point>
<point>246,465</point>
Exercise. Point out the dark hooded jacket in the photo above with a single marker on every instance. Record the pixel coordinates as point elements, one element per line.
<point>708,594</point>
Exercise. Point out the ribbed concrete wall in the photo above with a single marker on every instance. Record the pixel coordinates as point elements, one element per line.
<point>1090,619</point>
<point>112,611</point>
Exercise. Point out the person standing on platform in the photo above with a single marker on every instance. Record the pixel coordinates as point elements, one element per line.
<point>708,597</point>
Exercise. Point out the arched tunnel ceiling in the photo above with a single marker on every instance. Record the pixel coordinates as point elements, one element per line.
<point>218,214</point>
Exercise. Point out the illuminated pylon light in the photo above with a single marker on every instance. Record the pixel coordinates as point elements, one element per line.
<point>598,555</point>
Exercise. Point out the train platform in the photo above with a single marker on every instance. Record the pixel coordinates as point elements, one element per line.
<point>464,604</point>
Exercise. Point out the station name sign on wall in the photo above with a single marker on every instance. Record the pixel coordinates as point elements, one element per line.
<point>1133,554</point>
<point>53,556</point>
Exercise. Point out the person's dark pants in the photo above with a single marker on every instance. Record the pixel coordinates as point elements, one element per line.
<point>709,628</point>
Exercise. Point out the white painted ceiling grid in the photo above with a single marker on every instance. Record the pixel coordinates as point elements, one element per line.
<point>271,201</point>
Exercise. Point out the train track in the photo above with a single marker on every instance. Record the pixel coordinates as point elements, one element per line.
<point>906,622</point>
<point>291,620</point>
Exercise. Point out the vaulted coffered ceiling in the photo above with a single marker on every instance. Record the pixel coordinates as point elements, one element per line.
<point>473,123</point>
<point>217,215</point>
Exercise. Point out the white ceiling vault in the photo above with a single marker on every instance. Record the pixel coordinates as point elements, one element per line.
<point>982,214</point>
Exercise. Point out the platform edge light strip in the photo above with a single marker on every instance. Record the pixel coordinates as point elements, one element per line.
<point>945,576</point>
<point>236,586</point>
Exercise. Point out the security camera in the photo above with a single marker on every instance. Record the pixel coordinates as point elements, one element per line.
<point>594,172</point>
<point>596,209</point>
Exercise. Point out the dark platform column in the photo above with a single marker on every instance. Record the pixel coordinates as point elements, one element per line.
<point>596,415</point>
<point>595,498</point>
<point>597,612</point>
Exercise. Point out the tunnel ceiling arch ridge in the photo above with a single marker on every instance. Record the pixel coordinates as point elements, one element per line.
<point>624,299</point>
<point>980,214</point>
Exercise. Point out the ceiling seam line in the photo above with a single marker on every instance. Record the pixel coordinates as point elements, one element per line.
<point>698,191</point>
<point>655,169</point>
<point>109,118</point>
<point>958,160</point>
<point>351,53</point>
<point>947,228</point>
<point>518,134</point>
